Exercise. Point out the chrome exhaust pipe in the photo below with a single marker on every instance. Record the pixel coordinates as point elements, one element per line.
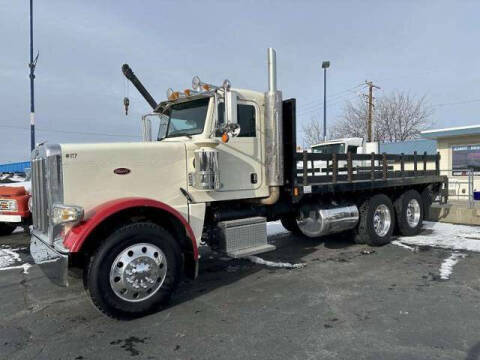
<point>320,222</point>
<point>272,70</point>
<point>273,125</point>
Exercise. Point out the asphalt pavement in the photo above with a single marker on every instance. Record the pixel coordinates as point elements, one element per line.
<point>346,303</point>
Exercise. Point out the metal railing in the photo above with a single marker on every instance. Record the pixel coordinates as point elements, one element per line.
<point>461,185</point>
<point>362,167</point>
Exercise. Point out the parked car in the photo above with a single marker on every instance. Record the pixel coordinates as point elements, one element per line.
<point>14,198</point>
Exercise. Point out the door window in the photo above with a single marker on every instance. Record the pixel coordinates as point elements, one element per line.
<point>246,118</point>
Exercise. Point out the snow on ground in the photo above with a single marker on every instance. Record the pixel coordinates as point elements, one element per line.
<point>445,236</point>
<point>275,227</point>
<point>274,264</point>
<point>10,259</point>
<point>447,266</point>
<point>435,234</point>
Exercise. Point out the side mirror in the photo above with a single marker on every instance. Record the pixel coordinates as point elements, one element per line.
<point>229,131</point>
<point>147,128</point>
<point>157,121</point>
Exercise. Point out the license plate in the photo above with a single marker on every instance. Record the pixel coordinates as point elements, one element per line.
<point>10,218</point>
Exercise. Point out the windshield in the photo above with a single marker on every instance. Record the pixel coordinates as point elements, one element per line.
<point>187,118</point>
<point>330,149</point>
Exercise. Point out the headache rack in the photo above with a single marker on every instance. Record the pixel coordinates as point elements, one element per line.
<point>352,172</point>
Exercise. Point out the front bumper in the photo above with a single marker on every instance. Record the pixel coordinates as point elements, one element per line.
<point>53,262</point>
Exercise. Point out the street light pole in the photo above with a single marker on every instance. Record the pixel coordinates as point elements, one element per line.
<point>31,65</point>
<point>325,66</point>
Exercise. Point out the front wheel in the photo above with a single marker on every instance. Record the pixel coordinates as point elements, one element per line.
<point>135,271</point>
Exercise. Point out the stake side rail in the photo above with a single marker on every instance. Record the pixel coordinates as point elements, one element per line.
<point>356,172</point>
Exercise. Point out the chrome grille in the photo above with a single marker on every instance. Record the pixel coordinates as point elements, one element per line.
<point>39,195</point>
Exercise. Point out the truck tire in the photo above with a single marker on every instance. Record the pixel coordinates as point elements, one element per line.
<point>290,223</point>
<point>7,228</point>
<point>410,211</point>
<point>377,221</point>
<point>134,271</point>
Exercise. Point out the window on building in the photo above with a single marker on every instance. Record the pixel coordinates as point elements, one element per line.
<point>465,157</point>
<point>245,118</point>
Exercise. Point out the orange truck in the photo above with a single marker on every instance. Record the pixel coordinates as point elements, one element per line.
<point>14,210</point>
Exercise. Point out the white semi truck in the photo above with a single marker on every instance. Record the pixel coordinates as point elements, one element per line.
<point>216,164</point>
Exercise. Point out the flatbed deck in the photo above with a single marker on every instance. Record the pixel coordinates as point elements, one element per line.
<point>363,172</point>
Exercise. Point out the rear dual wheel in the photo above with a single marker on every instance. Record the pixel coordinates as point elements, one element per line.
<point>377,221</point>
<point>409,208</point>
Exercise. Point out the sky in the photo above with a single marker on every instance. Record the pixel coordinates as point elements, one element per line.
<point>425,48</point>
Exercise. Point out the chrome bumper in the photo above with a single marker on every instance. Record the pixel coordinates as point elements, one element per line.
<point>52,262</point>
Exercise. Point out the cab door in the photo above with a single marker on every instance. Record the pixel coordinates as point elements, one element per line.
<point>240,159</point>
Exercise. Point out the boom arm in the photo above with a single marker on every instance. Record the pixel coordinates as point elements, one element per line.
<point>127,71</point>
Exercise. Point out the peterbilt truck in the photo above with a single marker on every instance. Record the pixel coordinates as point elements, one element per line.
<point>216,164</point>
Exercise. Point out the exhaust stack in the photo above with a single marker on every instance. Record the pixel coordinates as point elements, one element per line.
<point>273,125</point>
<point>272,70</point>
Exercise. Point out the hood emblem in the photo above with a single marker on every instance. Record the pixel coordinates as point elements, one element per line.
<point>122,171</point>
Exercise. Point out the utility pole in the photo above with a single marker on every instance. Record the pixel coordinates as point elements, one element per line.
<point>370,85</point>
<point>325,66</point>
<point>31,65</point>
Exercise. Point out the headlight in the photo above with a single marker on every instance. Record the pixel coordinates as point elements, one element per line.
<point>8,205</point>
<point>66,214</point>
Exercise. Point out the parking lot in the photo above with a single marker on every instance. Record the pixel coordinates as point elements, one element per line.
<point>418,298</point>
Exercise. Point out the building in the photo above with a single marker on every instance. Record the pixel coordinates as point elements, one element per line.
<point>459,148</point>
<point>421,146</point>
<point>19,167</point>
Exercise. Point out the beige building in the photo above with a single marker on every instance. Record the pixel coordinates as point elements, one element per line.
<point>459,148</point>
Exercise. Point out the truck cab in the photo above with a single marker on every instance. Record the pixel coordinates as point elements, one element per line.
<point>339,146</point>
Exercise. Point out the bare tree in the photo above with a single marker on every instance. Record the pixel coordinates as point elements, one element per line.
<point>312,132</point>
<point>397,117</point>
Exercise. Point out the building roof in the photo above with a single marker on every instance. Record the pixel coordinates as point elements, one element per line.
<point>409,147</point>
<point>453,131</point>
<point>15,167</point>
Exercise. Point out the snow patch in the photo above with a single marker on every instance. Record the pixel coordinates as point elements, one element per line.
<point>446,268</point>
<point>405,246</point>
<point>9,259</point>
<point>283,265</point>
<point>445,236</point>
<point>275,228</point>
<point>24,266</point>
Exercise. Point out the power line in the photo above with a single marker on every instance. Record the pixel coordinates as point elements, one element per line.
<point>332,96</point>
<point>337,101</point>
<point>72,132</point>
<point>457,102</point>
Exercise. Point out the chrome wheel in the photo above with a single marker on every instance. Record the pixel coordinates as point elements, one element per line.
<point>382,220</point>
<point>138,272</point>
<point>413,213</point>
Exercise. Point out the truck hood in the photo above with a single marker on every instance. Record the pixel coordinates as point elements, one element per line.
<point>96,173</point>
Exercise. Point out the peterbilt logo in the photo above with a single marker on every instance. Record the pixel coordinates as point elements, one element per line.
<point>122,171</point>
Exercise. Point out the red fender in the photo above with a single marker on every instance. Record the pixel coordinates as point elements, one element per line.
<point>79,233</point>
